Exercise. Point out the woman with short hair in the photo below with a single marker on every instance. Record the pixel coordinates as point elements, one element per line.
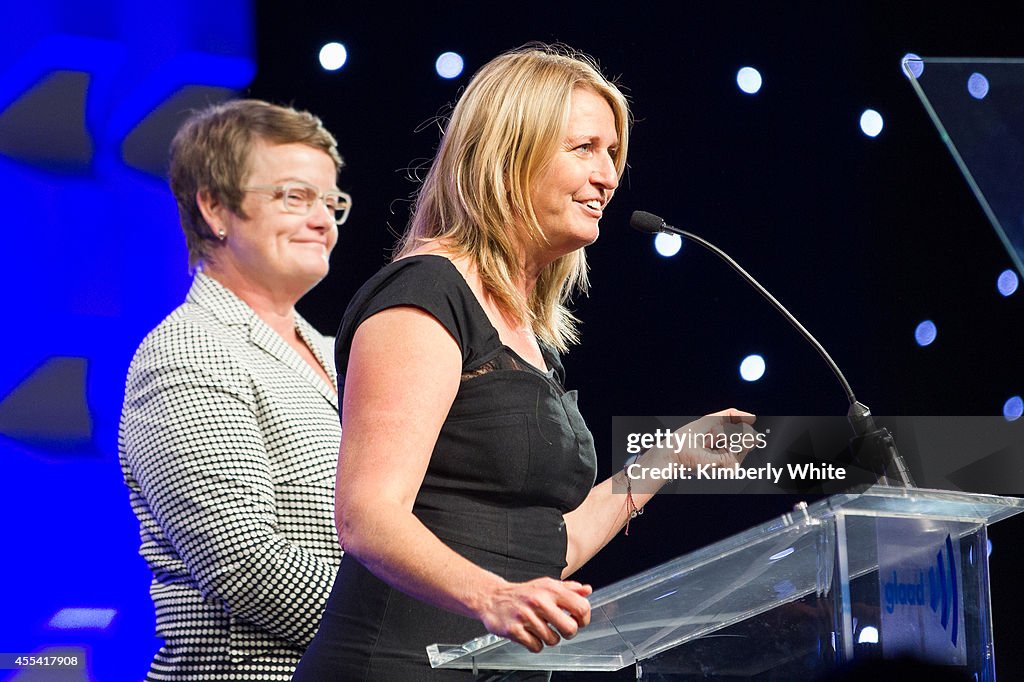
<point>229,429</point>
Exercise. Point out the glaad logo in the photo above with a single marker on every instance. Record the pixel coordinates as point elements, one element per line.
<point>941,589</point>
<point>899,593</point>
<point>943,585</point>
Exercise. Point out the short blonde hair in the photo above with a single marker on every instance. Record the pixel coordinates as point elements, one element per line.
<point>210,153</point>
<point>476,196</point>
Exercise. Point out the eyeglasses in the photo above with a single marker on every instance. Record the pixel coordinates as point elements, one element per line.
<point>299,198</point>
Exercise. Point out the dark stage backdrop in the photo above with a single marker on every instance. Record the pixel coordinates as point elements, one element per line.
<point>862,238</point>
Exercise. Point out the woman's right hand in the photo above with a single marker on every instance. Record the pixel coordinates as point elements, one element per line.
<point>538,612</point>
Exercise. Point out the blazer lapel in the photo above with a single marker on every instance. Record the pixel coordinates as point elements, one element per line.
<point>322,348</point>
<point>270,341</point>
<point>232,311</point>
<point>264,337</point>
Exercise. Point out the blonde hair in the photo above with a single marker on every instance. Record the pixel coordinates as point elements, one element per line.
<point>476,196</point>
<point>210,153</point>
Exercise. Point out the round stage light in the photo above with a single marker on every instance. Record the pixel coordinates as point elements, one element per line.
<point>977,85</point>
<point>749,80</point>
<point>871,122</point>
<point>667,245</point>
<point>925,333</point>
<point>1013,408</point>
<point>333,56</point>
<point>752,368</point>
<point>449,65</point>
<point>1007,282</point>
<point>912,65</point>
<point>868,635</point>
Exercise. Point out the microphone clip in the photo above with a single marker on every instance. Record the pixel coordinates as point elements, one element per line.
<point>873,449</point>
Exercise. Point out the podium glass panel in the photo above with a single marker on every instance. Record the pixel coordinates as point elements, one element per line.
<point>975,104</point>
<point>799,594</point>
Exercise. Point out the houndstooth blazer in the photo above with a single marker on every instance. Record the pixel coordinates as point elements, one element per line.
<point>228,444</point>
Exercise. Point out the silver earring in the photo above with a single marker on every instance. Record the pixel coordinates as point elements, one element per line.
<point>221,234</point>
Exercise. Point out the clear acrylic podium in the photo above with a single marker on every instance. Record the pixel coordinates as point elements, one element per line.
<point>880,573</point>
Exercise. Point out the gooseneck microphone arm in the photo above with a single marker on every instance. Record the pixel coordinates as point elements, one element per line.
<point>881,449</point>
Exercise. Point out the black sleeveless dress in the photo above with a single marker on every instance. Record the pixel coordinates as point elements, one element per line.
<point>512,457</point>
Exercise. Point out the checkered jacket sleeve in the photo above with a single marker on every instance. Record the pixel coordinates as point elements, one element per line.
<point>229,453</point>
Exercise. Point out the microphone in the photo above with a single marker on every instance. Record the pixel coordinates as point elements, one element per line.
<point>873,446</point>
<point>650,223</point>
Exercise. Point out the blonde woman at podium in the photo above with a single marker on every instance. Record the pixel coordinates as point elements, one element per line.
<point>465,487</point>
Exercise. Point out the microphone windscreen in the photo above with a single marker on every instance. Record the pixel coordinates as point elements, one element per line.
<point>646,222</point>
